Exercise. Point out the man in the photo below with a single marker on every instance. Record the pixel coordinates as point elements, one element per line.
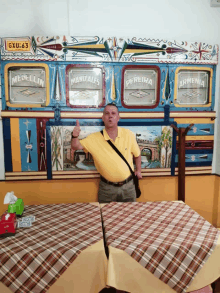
<point>116,182</point>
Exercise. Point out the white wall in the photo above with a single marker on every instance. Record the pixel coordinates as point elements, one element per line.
<point>184,20</point>
<point>191,20</point>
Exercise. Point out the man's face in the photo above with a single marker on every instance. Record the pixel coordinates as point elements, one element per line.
<point>110,116</point>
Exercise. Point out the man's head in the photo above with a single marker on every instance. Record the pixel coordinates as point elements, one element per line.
<point>111,104</point>
<point>110,116</point>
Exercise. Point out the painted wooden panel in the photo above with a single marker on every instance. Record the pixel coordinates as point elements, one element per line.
<point>41,144</point>
<point>28,144</point>
<point>33,135</point>
<point>15,145</point>
<point>112,49</point>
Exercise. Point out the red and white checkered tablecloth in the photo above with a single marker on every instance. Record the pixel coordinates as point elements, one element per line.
<point>169,239</point>
<point>33,259</point>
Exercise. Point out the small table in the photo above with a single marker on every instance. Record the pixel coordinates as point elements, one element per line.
<point>62,251</point>
<point>145,241</point>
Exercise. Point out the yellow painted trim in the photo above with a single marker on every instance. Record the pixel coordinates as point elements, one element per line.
<point>97,176</point>
<point>156,174</point>
<point>15,145</point>
<point>81,115</point>
<point>113,87</point>
<point>122,115</point>
<point>30,173</point>
<point>196,172</point>
<point>210,137</point>
<point>75,176</point>
<point>74,172</point>
<point>193,114</point>
<point>26,178</point>
<point>101,46</point>
<point>179,117</point>
<point>156,170</point>
<point>7,66</point>
<point>142,51</point>
<point>27,114</point>
<point>80,173</point>
<point>175,115</point>
<point>195,121</point>
<point>193,69</point>
<point>196,168</point>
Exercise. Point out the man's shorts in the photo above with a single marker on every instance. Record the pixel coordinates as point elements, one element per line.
<point>124,193</point>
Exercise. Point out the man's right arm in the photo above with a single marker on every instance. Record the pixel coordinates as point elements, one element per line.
<point>75,143</point>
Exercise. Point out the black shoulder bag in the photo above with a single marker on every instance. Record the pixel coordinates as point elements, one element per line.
<point>135,178</point>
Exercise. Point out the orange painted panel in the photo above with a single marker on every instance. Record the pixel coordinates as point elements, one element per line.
<point>15,145</point>
<point>202,192</point>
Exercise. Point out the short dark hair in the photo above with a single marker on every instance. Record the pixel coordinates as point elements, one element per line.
<point>111,104</point>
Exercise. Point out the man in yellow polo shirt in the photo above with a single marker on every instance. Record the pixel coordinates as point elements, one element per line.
<point>116,182</point>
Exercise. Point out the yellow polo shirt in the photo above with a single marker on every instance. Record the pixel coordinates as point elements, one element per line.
<point>107,161</point>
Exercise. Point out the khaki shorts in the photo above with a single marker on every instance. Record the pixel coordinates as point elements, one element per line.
<point>124,193</point>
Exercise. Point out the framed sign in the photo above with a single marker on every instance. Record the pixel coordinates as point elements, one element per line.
<point>193,87</point>
<point>140,86</point>
<point>85,86</point>
<point>27,85</point>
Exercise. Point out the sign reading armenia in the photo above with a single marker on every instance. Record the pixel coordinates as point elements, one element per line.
<point>192,81</point>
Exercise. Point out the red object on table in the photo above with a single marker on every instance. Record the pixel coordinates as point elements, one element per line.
<point>8,224</point>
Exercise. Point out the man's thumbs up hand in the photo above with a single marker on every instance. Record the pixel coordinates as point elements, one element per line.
<point>76,130</point>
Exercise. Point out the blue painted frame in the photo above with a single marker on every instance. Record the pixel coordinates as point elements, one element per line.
<point>60,69</point>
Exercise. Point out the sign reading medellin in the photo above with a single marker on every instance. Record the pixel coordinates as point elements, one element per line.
<point>27,76</point>
<point>27,85</point>
<point>85,86</point>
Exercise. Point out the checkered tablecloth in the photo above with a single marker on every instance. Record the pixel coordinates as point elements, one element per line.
<point>33,259</point>
<point>169,239</point>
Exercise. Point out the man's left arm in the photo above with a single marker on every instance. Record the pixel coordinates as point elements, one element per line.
<point>138,167</point>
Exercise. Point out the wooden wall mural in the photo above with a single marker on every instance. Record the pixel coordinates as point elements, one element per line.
<point>49,82</point>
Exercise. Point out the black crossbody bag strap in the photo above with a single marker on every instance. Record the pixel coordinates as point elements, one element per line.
<point>119,153</point>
